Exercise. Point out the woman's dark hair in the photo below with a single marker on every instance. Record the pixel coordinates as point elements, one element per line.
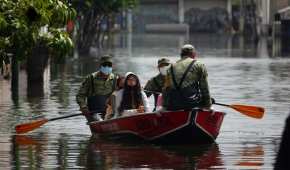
<point>131,101</point>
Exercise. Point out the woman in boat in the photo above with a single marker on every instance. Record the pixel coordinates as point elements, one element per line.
<point>131,99</point>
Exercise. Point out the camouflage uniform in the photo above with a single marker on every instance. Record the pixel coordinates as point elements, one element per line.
<point>194,87</point>
<point>155,84</point>
<point>97,89</point>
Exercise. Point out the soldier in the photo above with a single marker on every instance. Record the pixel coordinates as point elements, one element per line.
<point>96,88</point>
<point>186,84</point>
<point>155,84</point>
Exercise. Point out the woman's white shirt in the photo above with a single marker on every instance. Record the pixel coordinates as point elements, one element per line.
<point>117,98</point>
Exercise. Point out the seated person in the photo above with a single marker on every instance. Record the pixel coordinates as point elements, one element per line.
<point>155,84</point>
<point>130,99</point>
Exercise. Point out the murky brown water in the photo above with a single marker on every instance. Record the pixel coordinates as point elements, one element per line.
<point>239,72</point>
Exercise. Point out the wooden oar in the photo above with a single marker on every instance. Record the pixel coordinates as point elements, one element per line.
<point>251,111</point>
<point>26,127</point>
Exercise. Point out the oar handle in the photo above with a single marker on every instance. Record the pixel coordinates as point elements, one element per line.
<point>72,115</point>
<point>63,117</point>
<point>222,104</point>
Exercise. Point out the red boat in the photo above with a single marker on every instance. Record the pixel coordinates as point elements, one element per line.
<point>192,126</point>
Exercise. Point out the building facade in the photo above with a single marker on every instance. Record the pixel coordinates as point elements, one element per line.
<point>198,15</point>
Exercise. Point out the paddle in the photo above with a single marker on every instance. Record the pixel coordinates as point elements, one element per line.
<point>26,127</point>
<point>251,111</point>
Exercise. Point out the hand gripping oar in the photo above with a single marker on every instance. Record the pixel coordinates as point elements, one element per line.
<point>251,111</point>
<point>26,127</point>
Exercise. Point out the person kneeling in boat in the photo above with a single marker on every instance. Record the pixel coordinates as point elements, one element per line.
<point>155,84</point>
<point>129,100</point>
<point>96,89</point>
<point>186,84</point>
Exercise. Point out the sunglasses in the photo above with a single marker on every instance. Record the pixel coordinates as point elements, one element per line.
<point>107,64</point>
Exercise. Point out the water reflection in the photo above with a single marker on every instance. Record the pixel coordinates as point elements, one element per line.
<point>109,154</point>
<point>26,152</point>
<point>115,155</point>
<point>67,152</point>
<point>41,152</point>
<point>251,157</point>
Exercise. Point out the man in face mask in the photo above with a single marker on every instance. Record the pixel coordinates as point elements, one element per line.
<point>155,84</point>
<point>96,88</point>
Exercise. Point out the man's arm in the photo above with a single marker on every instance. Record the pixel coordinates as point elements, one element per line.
<point>204,88</point>
<point>82,94</point>
<point>148,88</point>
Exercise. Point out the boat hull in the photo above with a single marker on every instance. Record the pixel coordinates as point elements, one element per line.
<point>192,126</point>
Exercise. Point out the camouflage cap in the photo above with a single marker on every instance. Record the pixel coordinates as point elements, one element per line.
<point>163,61</point>
<point>187,48</point>
<point>106,59</point>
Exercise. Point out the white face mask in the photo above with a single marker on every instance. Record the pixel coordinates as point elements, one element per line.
<point>163,70</point>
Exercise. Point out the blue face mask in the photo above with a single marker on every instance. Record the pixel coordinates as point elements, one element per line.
<point>106,70</point>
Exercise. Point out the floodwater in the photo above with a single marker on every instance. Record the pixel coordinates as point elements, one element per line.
<point>239,72</point>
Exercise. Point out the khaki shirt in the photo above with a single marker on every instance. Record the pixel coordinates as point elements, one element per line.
<point>197,74</point>
<point>94,85</point>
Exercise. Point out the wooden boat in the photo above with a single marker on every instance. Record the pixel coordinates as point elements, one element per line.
<point>185,126</point>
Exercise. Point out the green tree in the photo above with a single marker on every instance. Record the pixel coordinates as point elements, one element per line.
<point>91,14</point>
<point>25,24</point>
<point>30,31</point>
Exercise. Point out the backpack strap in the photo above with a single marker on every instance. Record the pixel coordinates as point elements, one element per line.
<point>185,73</point>
<point>183,76</point>
<point>92,83</point>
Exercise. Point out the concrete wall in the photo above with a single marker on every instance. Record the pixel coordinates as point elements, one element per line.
<point>204,4</point>
<point>154,12</point>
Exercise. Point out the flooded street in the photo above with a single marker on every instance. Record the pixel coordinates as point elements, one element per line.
<point>239,72</point>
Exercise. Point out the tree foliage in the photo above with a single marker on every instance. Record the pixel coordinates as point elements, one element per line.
<point>25,23</point>
<point>91,14</point>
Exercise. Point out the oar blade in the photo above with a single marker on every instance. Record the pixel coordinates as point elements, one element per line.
<point>26,127</point>
<point>251,111</point>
